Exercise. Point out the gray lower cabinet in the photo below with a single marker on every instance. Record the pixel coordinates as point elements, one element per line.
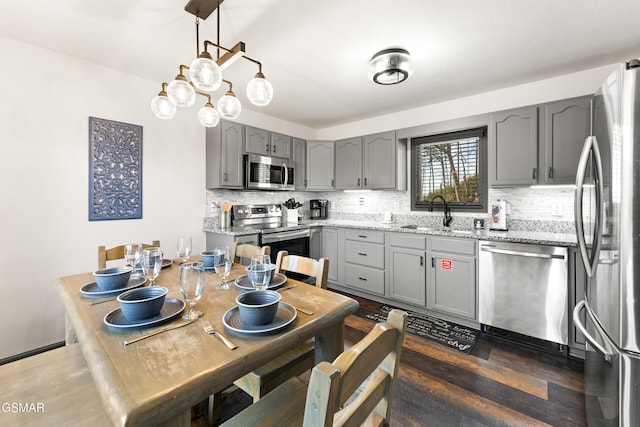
<point>299,157</point>
<point>315,243</point>
<point>577,286</point>
<point>364,260</point>
<point>224,148</point>
<point>220,240</point>
<point>451,284</point>
<point>320,166</point>
<point>407,268</point>
<point>330,251</point>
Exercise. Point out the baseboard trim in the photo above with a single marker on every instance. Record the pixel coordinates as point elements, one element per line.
<point>31,352</point>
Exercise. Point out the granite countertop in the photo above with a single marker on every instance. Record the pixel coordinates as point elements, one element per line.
<point>512,236</point>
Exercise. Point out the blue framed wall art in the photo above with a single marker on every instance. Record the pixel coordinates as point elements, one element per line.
<point>115,170</point>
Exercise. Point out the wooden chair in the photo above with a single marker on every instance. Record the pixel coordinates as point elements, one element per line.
<point>242,252</point>
<point>299,359</point>
<point>117,252</point>
<point>370,366</point>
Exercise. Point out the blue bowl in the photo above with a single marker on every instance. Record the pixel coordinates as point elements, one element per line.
<point>258,307</point>
<point>142,303</point>
<point>110,279</point>
<point>212,258</point>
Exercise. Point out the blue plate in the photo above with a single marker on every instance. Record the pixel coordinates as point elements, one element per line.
<point>244,284</point>
<point>172,307</point>
<point>92,290</point>
<point>285,315</point>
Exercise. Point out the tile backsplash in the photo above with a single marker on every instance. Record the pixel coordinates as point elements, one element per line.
<point>535,208</point>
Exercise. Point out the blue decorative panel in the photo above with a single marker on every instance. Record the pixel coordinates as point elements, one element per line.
<point>115,170</point>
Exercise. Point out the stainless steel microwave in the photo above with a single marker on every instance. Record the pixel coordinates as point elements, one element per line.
<point>268,173</point>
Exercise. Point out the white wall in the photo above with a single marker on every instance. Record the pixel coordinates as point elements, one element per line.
<point>46,101</point>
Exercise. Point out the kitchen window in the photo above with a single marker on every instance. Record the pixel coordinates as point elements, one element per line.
<point>452,165</point>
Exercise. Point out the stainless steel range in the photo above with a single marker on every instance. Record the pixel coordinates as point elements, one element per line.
<point>274,233</point>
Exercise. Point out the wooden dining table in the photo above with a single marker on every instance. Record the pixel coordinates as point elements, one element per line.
<point>155,381</point>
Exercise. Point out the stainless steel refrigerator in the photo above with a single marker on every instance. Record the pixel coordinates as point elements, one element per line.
<point>607,210</point>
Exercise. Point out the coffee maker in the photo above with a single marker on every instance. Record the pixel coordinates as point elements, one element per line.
<point>319,208</point>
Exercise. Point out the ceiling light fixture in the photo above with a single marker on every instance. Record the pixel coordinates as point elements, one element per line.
<point>205,74</point>
<point>390,66</point>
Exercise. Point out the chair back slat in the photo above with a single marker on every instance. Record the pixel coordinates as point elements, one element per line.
<point>371,365</point>
<point>117,252</point>
<point>303,265</point>
<point>243,252</point>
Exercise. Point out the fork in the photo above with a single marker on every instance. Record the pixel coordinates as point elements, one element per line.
<point>209,329</point>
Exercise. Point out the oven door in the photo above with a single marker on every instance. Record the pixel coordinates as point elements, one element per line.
<point>268,173</point>
<point>295,242</point>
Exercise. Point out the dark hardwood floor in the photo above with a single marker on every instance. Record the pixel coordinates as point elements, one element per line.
<point>501,383</point>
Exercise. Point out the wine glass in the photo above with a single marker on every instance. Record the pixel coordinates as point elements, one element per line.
<point>191,287</point>
<point>132,252</point>
<point>151,262</point>
<point>260,272</point>
<point>184,248</point>
<point>222,264</point>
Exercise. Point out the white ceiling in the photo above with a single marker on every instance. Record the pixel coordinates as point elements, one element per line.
<point>315,52</point>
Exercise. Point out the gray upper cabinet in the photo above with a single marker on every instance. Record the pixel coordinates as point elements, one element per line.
<point>280,145</point>
<point>224,147</point>
<point>567,125</point>
<point>379,165</point>
<point>349,164</point>
<point>299,157</point>
<point>367,162</point>
<point>265,143</point>
<point>320,165</point>
<point>257,141</point>
<point>513,147</point>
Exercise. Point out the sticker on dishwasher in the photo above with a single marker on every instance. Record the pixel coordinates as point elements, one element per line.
<point>446,264</point>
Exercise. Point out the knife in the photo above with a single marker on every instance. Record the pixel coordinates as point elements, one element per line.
<point>286,288</point>
<point>159,331</point>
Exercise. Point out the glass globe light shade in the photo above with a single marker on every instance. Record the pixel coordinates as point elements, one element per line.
<point>205,73</point>
<point>181,93</point>
<point>390,66</point>
<point>162,107</point>
<point>208,116</point>
<point>229,106</point>
<point>259,91</point>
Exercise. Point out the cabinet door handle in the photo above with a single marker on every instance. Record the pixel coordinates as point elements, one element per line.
<point>433,262</point>
<point>365,182</point>
<point>550,172</point>
<point>274,148</point>
<point>533,174</point>
<point>305,183</point>
<point>266,147</point>
<point>362,254</point>
<point>421,261</point>
<point>362,236</point>
<point>362,278</point>
<point>332,183</point>
<point>224,177</point>
<point>358,182</point>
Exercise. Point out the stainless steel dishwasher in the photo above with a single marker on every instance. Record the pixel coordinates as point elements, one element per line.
<point>524,288</point>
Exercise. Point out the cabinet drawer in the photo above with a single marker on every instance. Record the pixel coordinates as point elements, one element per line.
<point>365,235</point>
<point>459,246</point>
<point>408,241</point>
<point>369,254</point>
<point>364,278</point>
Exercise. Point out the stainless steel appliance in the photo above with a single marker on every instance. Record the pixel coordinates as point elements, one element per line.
<point>523,288</point>
<point>268,173</point>
<point>607,214</point>
<point>273,232</point>
<point>319,208</point>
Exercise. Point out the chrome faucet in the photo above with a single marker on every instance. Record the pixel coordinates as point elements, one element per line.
<point>447,213</point>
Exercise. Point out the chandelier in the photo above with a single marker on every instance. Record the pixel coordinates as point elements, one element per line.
<point>205,75</point>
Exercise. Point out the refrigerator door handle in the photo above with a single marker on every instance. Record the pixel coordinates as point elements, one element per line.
<point>578,323</point>
<point>590,263</point>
